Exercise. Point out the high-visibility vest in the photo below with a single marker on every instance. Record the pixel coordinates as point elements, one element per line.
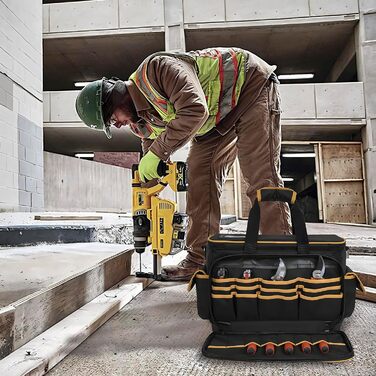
<point>221,72</point>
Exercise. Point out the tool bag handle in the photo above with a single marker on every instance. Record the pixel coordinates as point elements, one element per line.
<point>298,222</point>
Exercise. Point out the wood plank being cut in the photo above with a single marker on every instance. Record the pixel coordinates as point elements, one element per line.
<point>42,353</point>
<point>31,315</point>
<point>68,217</point>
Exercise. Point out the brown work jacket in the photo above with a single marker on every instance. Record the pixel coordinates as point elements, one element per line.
<point>177,80</point>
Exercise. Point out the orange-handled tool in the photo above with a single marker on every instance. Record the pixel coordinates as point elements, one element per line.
<point>288,348</point>
<point>252,348</point>
<point>306,347</point>
<point>269,349</point>
<point>324,347</point>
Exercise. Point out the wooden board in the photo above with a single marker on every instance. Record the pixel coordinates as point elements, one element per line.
<point>342,161</point>
<point>368,295</point>
<point>49,348</point>
<point>35,313</point>
<point>345,202</point>
<point>68,217</point>
<point>367,279</point>
<point>341,182</point>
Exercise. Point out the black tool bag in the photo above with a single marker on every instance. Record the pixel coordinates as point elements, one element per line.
<point>276,297</point>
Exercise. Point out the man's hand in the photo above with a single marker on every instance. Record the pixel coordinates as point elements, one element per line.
<point>148,166</point>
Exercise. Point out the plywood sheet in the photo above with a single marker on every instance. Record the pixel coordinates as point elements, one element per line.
<point>344,202</point>
<point>342,161</point>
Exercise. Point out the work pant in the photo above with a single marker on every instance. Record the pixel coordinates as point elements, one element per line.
<point>256,140</point>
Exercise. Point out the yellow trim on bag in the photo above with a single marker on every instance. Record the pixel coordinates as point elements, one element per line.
<point>352,275</point>
<point>200,274</point>
<point>233,293</point>
<point>329,288</point>
<point>240,280</point>
<point>236,287</point>
<point>282,283</point>
<point>258,193</point>
<point>270,242</point>
<point>264,289</point>
<point>281,297</point>
<point>328,296</point>
<point>293,198</point>
<point>276,344</point>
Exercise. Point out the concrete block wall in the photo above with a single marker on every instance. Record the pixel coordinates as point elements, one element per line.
<point>73,184</point>
<point>21,108</point>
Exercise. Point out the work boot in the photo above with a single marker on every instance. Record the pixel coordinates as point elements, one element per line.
<point>180,272</point>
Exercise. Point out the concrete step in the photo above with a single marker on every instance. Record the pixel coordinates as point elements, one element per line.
<point>19,229</point>
<point>41,285</point>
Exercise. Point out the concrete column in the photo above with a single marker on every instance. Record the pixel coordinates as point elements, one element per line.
<point>366,62</point>
<point>174,26</point>
<point>21,107</point>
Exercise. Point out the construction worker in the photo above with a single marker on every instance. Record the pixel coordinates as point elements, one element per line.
<point>224,100</point>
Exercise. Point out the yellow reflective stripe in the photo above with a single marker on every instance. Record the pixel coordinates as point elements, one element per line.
<point>352,275</point>
<point>329,296</point>
<point>275,344</point>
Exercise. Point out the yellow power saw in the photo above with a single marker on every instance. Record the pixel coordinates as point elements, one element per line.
<point>156,221</point>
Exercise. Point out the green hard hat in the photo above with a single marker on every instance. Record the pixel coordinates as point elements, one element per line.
<point>89,107</point>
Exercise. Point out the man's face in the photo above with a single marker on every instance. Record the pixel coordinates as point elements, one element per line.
<point>123,116</point>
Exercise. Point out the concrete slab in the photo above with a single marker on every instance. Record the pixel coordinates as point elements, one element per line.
<point>25,270</point>
<point>160,333</point>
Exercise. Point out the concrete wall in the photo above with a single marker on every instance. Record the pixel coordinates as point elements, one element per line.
<point>21,136</point>
<point>102,15</point>
<point>299,101</point>
<point>73,184</point>
<point>366,61</point>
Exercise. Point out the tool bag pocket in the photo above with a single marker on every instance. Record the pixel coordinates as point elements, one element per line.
<point>351,282</point>
<point>278,300</point>
<point>201,279</point>
<point>255,346</point>
<point>244,294</point>
<point>223,295</point>
<point>321,299</point>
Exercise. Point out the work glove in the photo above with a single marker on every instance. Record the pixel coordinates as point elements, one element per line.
<point>148,166</point>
